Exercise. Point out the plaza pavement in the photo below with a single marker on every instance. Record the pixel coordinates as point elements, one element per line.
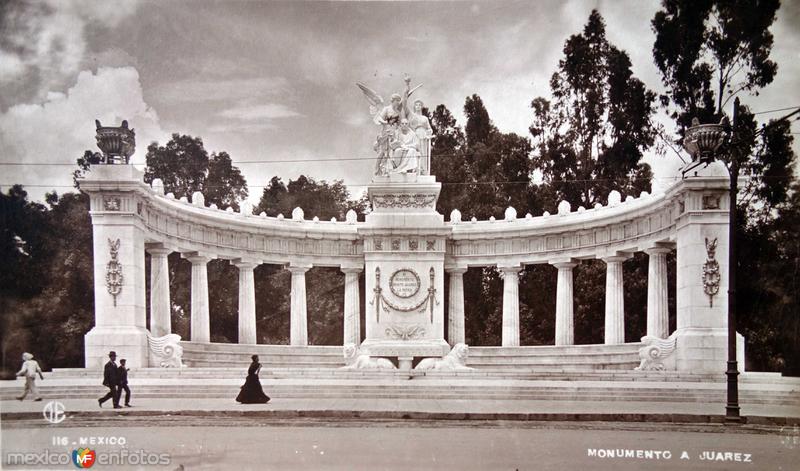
<point>415,409</point>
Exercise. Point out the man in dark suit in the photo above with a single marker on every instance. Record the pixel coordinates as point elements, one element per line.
<point>123,383</point>
<point>111,381</point>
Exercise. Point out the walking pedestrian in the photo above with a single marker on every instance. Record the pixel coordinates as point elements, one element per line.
<point>30,368</point>
<point>111,381</point>
<point>123,382</point>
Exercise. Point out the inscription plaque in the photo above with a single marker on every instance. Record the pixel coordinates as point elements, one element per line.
<point>404,283</point>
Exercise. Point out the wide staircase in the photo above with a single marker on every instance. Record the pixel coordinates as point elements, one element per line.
<point>574,373</point>
<point>573,357</point>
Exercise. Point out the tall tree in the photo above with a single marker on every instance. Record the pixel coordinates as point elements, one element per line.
<point>321,199</point>
<point>710,50</point>
<point>591,137</point>
<point>183,165</point>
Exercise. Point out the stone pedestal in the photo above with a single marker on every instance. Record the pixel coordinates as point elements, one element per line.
<point>119,274</point>
<point>702,277</point>
<point>404,245</point>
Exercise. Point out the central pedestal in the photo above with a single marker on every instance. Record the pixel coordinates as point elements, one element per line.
<point>404,243</point>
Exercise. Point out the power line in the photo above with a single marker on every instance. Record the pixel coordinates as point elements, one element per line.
<point>775,111</point>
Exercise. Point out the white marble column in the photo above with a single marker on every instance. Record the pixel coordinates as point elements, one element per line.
<point>657,293</point>
<point>565,323</point>
<point>247,302</point>
<point>510,305</point>
<point>160,312</point>
<point>615,301</point>
<point>455,312</point>
<point>200,325</point>
<point>352,310</point>
<point>298,334</point>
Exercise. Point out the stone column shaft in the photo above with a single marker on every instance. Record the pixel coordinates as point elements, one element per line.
<point>298,334</point>
<point>160,312</point>
<point>455,314</point>
<point>352,310</point>
<point>565,323</point>
<point>510,306</point>
<point>247,303</point>
<point>657,293</point>
<point>615,301</point>
<point>200,325</point>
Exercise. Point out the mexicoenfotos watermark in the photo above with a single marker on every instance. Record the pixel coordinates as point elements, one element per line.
<point>86,458</point>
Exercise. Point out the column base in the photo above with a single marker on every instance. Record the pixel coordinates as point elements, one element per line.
<point>129,343</point>
<point>705,350</point>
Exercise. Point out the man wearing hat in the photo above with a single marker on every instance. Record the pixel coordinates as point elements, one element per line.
<point>111,381</point>
<point>30,368</point>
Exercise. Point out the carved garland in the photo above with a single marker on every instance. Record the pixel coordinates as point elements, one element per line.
<point>410,332</point>
<point>404,201</point>
<point>380,301</point>
<point>711,275</point>
<point>114,271</point>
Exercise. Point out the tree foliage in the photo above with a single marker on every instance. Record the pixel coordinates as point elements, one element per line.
<point>183,165</point>
<point>590,138</point>
<point>709,50</point>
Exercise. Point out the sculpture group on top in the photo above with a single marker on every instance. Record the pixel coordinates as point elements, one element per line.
<point>403,143</point>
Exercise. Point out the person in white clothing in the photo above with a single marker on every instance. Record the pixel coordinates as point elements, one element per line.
<point>30,368</point>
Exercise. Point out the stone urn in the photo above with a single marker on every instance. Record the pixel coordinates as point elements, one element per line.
<point>702,141</point>
<point>117,143</point>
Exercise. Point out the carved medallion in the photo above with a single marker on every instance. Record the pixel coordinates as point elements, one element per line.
<point>378,244</point>
<point>413,245</point>
<point>396,244</point>
<point>710,202</point>
<point>430,245</point>
<point>112,203</point>
<point>404,283</point>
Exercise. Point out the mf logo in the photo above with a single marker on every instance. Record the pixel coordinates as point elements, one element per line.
<point>54,412</point>
<point>83,457</point>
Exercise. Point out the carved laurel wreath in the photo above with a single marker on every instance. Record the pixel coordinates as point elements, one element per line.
<point>114,276</point>
<point>711,275</point>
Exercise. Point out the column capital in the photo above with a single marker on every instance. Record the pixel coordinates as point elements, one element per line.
<point>564,263</point>
<point>245,263</point>
<point>510,269</point>
<point>455,270</point>
<point>618,257</point>
<point>657,250</point>
<point>198,257</point>
<point>157,249</point>
<point>351,269</point>
<point>297,267</point>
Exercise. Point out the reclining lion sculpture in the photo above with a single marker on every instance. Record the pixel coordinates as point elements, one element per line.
<point>456,360</point>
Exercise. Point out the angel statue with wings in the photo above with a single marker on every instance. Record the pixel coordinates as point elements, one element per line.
<point>388,117</point>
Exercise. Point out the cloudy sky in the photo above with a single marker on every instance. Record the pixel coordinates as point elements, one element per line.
<point>272,83</point>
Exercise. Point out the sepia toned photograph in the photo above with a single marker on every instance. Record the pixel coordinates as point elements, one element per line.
<point>389,235</point>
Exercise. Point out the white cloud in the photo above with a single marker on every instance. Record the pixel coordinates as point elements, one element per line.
<point>257,112</point>
<point>48,39</point>
<point>202,90</point>
<point>59,129</point>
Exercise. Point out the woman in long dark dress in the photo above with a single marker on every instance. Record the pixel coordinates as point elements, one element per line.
<point>251,392</point>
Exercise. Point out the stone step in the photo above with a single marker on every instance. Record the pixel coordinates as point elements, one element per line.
<point>274,391</point>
